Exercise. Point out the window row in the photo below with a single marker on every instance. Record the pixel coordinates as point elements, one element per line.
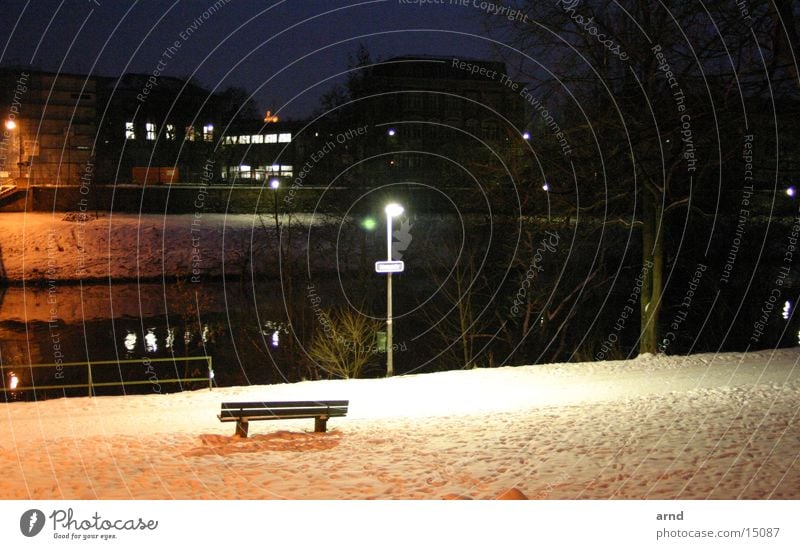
<point>258,139</point>
<point>260,172</point>
<point>151,133</point>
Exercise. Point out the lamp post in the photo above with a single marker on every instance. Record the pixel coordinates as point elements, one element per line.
<point>392,210</point>
<point>11,125</point>
<point>275,184</point>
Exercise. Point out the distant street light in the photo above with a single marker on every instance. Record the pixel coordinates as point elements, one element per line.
<point>392,210</point>
<point>12,125</point>
<point>275,184</point>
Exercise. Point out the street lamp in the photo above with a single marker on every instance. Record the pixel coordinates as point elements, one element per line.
<point>12,125</point>
<point>392,210</point>
<point>275,183</point>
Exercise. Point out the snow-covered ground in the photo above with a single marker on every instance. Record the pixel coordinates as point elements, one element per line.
<point>56,246</point>
<point>721,427</point>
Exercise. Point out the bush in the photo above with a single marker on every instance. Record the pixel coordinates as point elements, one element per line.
<point>346,344</point>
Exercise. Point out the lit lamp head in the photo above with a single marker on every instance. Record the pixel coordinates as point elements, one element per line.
<point>393,210</point>
<point>13,381</point>
<point>274,183</point>
<point>11,125</point>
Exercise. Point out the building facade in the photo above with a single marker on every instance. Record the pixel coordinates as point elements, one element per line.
<point>49,128</point>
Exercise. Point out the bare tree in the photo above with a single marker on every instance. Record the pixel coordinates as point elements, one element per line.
<point>651,98</point>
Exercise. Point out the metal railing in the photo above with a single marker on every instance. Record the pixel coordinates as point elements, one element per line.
<point>91,385</point>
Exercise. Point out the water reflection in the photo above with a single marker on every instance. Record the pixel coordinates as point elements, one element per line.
<point>245,331</point>
<point>150,341</point>
<point>130,341</point>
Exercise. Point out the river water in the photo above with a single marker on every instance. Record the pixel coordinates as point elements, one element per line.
<point>254,332</point>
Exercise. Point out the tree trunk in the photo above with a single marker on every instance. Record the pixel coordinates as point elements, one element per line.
<point>652,272</point>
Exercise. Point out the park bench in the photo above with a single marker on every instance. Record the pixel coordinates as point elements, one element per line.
<point>245,412</point>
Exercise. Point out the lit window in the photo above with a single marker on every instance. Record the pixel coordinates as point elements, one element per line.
<point>276,338</point>
<point>284,137</point>
<point>271,138</point>
<point>130,133</point>
<point>256,138</point>
<point>286,170</point>
<point>150,131</point>
<point>190,133</point>
<point>170,132</point>
<point>208,132</point>
<point>244,139</point>
<point>244,170</point>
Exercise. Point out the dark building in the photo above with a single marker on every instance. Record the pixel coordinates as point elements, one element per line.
<point>406,119</point>
<point>49,126</point>
<point>154,130</point>
<point>423,113</point>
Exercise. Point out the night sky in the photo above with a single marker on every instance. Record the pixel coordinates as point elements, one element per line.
<point>284,52</point>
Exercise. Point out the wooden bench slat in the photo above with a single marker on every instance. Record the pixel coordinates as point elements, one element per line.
<point>297,404</point>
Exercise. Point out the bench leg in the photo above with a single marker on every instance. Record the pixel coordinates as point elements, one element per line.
<point>320,424</point>
<point>241,428</point>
